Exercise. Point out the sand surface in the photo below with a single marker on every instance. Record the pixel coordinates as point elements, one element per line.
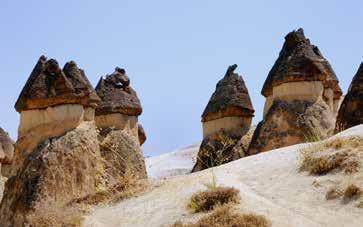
<point>269,184</point>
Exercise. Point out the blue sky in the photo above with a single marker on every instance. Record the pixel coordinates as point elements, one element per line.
<point>174,51</point>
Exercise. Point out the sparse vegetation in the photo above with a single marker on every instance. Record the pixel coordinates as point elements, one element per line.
<point>225,216</point>
<point>218,150</point>
<point>339,154</point>
<point>352,191</point>
<point>213,197</point>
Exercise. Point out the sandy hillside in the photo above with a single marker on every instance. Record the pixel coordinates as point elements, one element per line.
<point>269,183</point>
<point>172,164</point>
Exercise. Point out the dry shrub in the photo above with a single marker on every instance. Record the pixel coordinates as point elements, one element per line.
<point>129,186</point>
<point>218,150</point>
<point>352,191</point>
<point>333,193</point>
<point>341,154</point>
<point>213,197</point>
<point>225,217</point>
<point>57,215</point>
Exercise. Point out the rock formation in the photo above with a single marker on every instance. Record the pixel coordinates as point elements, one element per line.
<point>6,155</point>
<point>302,97</point>
<point>57,156</point>
<point>117,118</point>
<point>351,109</point>
<point>226,118</point>
<point>141,134</point>
<point>120,105</point>
<point>52,102</point>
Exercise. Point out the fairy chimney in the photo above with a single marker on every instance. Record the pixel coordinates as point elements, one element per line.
<point>6,148</point>
<point>229,108</point>
<point>119,106</point>
<point>52,102</point>
<point>302,96</point>
<point>351,109</point>
<point>226,118</point>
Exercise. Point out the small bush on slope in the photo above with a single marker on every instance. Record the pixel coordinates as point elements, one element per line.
<point>225,217</point>
<point>337,154</point>
<point>213,197</point>
<point>352,191</point>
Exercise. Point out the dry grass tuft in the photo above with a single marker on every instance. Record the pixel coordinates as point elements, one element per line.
<point>333,193</point>
<point>223,217</point>
<point>340,154</point>
<point>352,191</point>
<point>125,189</point>
<point>213,197</point>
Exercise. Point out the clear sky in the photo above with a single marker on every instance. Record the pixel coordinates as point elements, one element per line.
<point>173,51</point>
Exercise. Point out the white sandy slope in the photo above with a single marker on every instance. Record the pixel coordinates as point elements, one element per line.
<point>269,184</point>
<point>172,164</point>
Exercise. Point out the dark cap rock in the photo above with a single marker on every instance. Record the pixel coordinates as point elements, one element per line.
<point>230,98</point>
<point>116,95</point>
<point>351,110</point>
<point>299,60</point>
<point>48,85</point>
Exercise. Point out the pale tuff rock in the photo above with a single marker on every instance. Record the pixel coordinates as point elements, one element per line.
<point>226,118</point>
<point>52,102</point>
<point>58,170</point>
<point>117,120</point>
<point>122,155</point>
<point>6,155</point>
<point>351,109</point>
<point>6,147</point>
<point>119,106</point>
<point>302,95</point>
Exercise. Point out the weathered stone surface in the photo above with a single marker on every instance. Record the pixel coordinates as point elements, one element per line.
<point>292,122</point>
<point>58,170</point>
<point>299,60</point>
<point>141,134</point>
<point>351,109</point>
<point>230,98</point>
<point>6,147</point>
<point>116,95</point>
<point>118,121</point>
<point>48,85</point>
<point>217,150</point>
<point>222,148</point>
<point>122,155</point>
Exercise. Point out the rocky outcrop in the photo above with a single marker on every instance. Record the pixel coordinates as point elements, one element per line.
<point>117,120</point>
<point>122,156</point>
<point>57,171</point>
<point>351,109</point>
<point>302,95</point>
<point>141,134</point>
<point>6,155</point>
<point>6,147</point>
<point>226,118</point>
<point>52,102</point>
<point>119,106</point>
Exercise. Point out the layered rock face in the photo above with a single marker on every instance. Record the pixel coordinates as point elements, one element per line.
<point>52,102</point>
<point>58,170</point>
<point>351,109</point>
<point>120,105</point>
<point>57,156</point>
<point>6,155</point>
<point>120,134</point>
<point>226,118</point>
<point>302,96</point>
